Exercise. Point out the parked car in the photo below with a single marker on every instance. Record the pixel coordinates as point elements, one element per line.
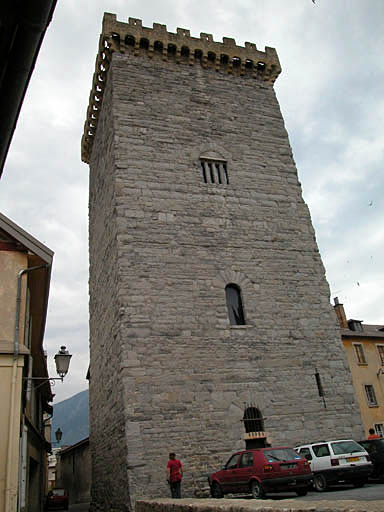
<point>375,449</point>
<point>337,461</point>
<point>57,498</point>
<point>260,471</point>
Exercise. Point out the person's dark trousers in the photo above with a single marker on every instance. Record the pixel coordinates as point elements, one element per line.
<point>176,489</point>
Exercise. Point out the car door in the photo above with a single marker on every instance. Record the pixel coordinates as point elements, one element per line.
<point>244,472</point>
<point>228,475</point>
<point>322,458</point>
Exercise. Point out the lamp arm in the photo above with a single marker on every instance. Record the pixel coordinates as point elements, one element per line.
<point>44,379</point>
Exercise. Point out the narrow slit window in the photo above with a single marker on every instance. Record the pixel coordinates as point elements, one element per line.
<point>234,305</point>
<point>211,173</point>
<point>226,173</point>
<point>204,172</point>
<point>218,173</point>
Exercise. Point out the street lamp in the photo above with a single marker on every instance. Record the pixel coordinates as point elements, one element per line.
<point>62,360</point>
<point>59,435</point>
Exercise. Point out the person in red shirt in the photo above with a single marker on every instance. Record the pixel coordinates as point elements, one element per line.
<point>373,435</point>
<point>174,475</point>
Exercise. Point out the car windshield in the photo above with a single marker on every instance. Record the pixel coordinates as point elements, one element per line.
<point>341,447</point>
<point>58,492</point>
<point>280,454</point>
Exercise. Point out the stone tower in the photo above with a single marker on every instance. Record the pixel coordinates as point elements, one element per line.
<point>210,318</point>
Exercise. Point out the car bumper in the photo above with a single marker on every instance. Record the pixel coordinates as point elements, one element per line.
<point>348,474</point>
<point>286,483</point>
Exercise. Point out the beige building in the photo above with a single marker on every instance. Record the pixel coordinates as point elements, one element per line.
<point>364,346</point>
<point>25,269</point>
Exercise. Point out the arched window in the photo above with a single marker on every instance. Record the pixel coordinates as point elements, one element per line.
<point>130,40</point>
<point>171,50</point>
<point>198,55</point>
<point>234,305</point>
<point>158,46</point>
<point>253,420</point>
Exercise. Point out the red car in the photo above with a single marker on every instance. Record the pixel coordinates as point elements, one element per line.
<point>260,471</point>
<point>57,498</point>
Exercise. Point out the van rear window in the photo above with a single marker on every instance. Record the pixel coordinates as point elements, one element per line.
<point>341,447</point>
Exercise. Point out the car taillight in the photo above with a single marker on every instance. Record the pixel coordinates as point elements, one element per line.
<point>267,468</point>
<point>306,464</point>
<point>335,462</point>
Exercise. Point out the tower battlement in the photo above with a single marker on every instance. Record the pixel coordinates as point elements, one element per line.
<point>133,38</point>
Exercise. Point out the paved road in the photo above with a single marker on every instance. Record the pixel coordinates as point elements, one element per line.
<point>79,507</point>
<point>370,492</point>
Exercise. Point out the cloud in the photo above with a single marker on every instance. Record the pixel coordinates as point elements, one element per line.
<point>330,93</point>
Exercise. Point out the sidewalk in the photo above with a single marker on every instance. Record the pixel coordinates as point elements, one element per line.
<point>230,505</point>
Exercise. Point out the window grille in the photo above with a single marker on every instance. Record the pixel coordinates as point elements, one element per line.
<point>214,171</point>
<point>253,420</point>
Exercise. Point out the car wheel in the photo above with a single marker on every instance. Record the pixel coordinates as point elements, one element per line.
<point>302,492</point>
<point>359,484</point>
<point>319,482</point>
<point>216,491</point>
<point>256,490</point>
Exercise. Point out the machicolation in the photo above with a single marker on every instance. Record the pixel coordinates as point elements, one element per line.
<point>157,42</point>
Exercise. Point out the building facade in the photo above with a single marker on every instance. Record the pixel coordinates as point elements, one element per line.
<point>25,269</point>
<point>23,27</point>
<point>210,319</point>
<point>75,471</point>
<point>364,346</point>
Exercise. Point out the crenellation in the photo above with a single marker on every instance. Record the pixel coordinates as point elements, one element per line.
<point>132,37</point>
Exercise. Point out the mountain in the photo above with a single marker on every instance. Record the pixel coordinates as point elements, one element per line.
<point>71,416</point>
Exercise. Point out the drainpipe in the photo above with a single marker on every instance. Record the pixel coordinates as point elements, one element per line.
<point>24,444</point>
<point>11,494</point>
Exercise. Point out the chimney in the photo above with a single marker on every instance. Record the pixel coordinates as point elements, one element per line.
<point>340,313</point>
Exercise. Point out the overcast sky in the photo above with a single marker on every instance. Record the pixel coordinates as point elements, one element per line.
<point>331,96</point>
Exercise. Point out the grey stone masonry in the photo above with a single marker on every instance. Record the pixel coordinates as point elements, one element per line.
<point>193,187</point>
